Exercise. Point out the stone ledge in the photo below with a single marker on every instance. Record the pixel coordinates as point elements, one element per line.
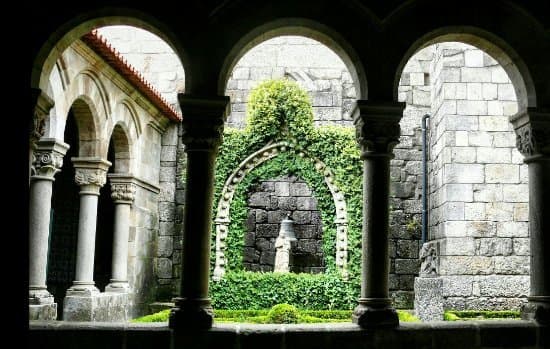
<point>440,334</point>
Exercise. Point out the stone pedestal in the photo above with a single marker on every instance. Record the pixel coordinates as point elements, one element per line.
<point>377,132</point>
<point>532,128</point>
<point>203,120</point>
<point>428,298</point>
<point>91,305</point>
<point>47,161</point>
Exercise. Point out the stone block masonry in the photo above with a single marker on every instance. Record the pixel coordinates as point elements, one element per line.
<point>268,205</point>
<point>478,198</point>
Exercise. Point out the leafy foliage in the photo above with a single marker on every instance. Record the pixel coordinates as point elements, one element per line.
<point>260,316</point>
<point>283,314</point>
<point>454,315</point>
<point>280,110</point>
<point>253,290</point>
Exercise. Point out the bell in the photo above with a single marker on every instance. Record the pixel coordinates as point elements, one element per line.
<point>287,228</point>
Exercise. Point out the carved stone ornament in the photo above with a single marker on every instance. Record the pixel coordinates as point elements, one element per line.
<point>123,191</point>
<point>429,259</point>
<point>532,133</point>
<point>41,111</point>
<point>203,120</point>
<point>90,176</point>
<point>46,163</point>
<point>200,134</point>
<point>377,127</point>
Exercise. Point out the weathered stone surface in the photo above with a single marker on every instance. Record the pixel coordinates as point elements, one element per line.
<point>428,299</point>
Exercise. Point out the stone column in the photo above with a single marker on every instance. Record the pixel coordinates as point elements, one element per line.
<point>90,176</point>
<point>377,132</point>
<point>47,161</point>
<point>122,192</point>
<point>203,120</point>
<point>532,128</point>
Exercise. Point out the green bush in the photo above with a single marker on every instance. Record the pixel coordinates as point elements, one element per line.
<point>256,290</point>
<point>161,316</point>
<point>283,314</point>
<point>454,315</point>
<point>260,316</point>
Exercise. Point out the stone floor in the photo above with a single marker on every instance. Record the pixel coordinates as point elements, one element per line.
<point>448,335</point>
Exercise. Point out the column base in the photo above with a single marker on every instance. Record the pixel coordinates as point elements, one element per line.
<point>96,306</point>
<point>41,304</point>
<point>191,314</point>
<point>82,289</point>
<point>117,286</point>
<point>538,309</point>
<point>375,313</point>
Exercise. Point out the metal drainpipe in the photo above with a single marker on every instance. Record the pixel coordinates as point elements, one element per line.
<point>424,179</point>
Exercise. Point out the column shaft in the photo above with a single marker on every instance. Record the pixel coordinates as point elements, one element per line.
<point>39,224</point>
<point>375,259</point>
<point>120,242</point>
<point>85,249</point>
<point>377,132</point>
<point>202,134</point>
<point>197,220</point>
<point>532,127</point>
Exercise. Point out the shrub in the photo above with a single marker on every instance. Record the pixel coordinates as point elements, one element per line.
<point>283,314</point>
<point>256,290</point>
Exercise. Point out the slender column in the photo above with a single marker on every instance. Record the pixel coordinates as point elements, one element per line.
<point>377,132</point>
<point>90,176</point>
<point>47,161</point>
<point>532,128</point>
<point>122,192</point>
<point>203,120</point>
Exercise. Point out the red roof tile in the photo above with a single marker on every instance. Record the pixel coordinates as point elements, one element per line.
<point>100,46</point>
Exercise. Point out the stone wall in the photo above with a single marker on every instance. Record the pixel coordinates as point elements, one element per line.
<point>478,189</point>
<point>314,66</point>
<point>268,205</point>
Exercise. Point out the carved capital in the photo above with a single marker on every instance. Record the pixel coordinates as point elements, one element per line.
<point>48,157</point>
<point>532,128</point>
<point>90,171</point>
<point>203,120</point>
<point>377,127</point>
<point>42,106</point>
<point>123,188</point>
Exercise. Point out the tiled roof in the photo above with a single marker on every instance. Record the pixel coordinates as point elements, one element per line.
<point>110,55</point>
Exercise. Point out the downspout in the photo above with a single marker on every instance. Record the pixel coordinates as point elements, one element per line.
<point>424,178</point>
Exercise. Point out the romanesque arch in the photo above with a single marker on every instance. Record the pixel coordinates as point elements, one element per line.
<point>302,27</point>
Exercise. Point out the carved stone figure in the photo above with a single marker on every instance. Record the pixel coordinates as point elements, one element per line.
<point>429,259</point>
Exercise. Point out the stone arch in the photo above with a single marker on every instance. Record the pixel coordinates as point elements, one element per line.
<point>302,27</point>
<point>85,115</point>
<point>268,152</point>
<point>497,48</point>
<point>76,27</point>
<point>122,146</point>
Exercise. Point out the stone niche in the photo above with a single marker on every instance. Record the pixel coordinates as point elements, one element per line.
<point>268,204</point>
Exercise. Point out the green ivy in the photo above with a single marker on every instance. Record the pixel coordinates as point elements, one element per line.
<point>279,110</point>
<point>259,290</point>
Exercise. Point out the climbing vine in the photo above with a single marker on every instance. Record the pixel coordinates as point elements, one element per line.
<point>279,110</point>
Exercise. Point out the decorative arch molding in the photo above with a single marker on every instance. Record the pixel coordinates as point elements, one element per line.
<point>130,109</point>
<point>268,152</point>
